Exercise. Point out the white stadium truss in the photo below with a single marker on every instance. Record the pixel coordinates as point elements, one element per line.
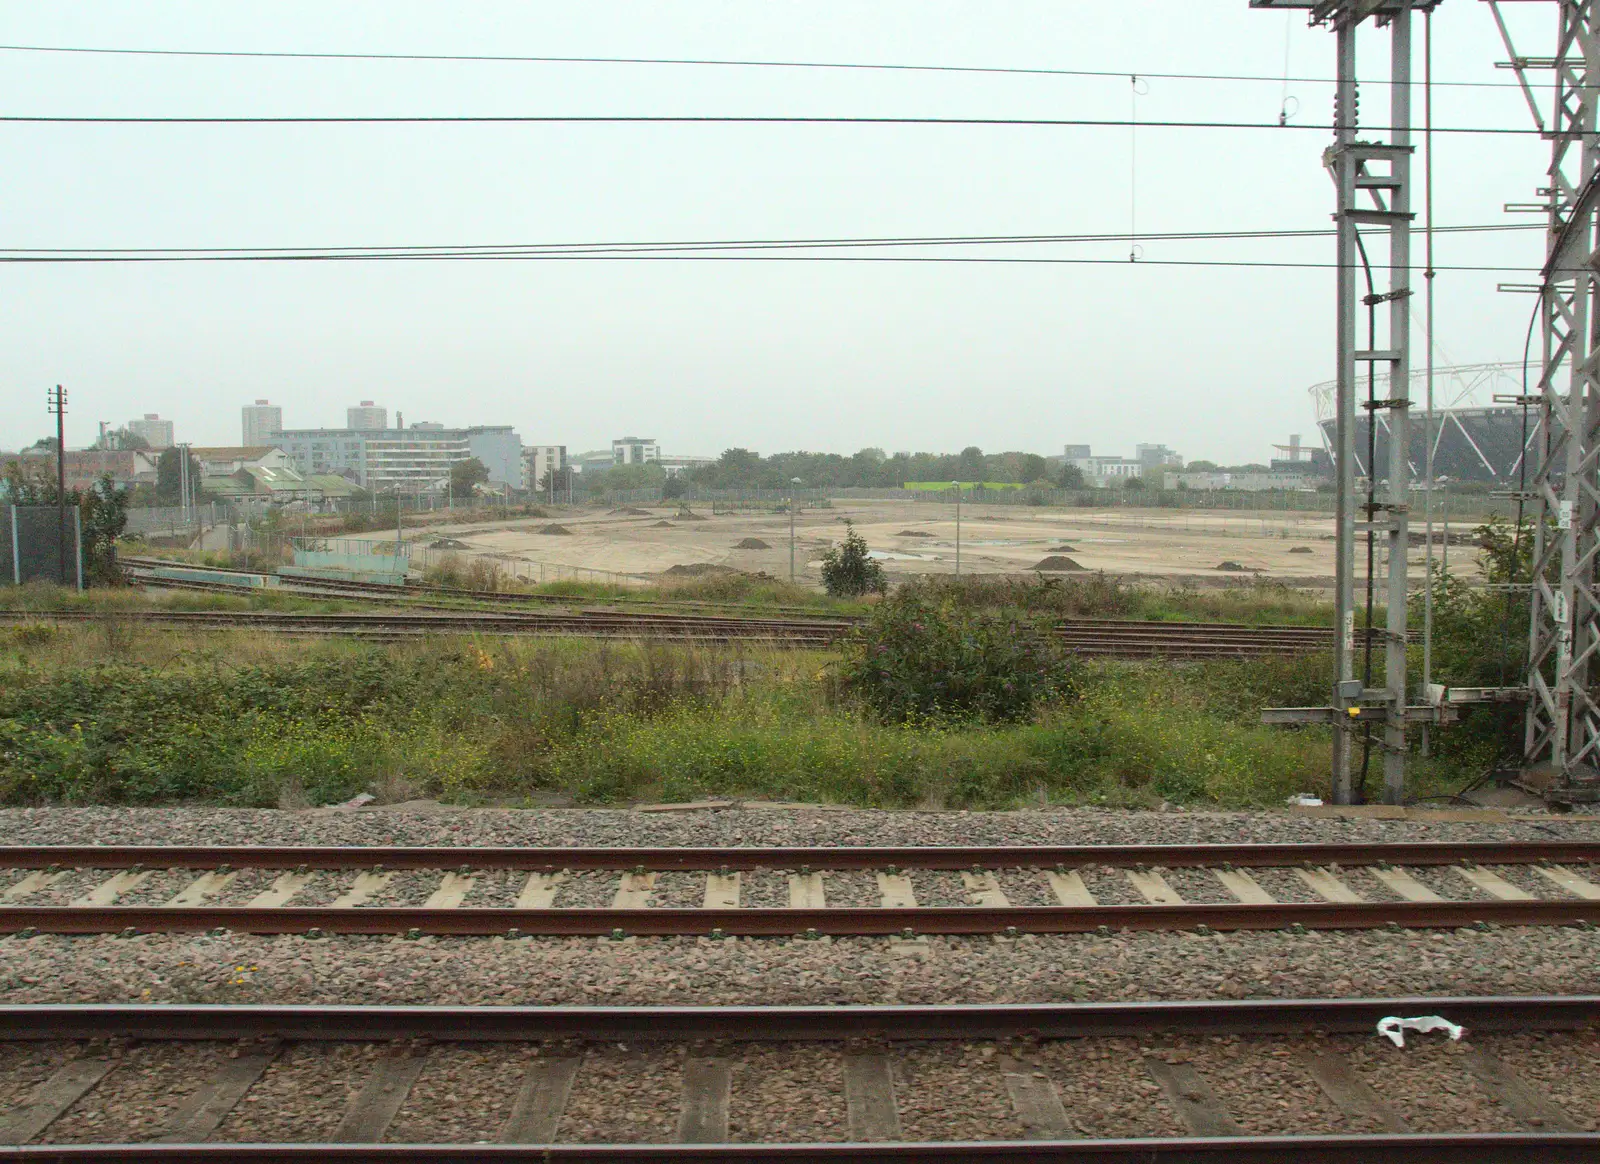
<point>1474,439</point>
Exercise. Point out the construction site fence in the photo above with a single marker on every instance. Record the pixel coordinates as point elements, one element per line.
<point>1460,508</point>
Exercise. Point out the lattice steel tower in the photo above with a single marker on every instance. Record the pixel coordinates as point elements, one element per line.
<point>1562,740</point>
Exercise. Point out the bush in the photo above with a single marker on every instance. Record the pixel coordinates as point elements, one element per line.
<point>847,572</point>
<point>916,660</point>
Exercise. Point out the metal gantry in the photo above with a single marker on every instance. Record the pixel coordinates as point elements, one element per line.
<point>1372,179</point>
<point>1562,738</point>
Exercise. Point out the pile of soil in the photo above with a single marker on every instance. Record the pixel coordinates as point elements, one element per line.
<point>751,544</point>
<point>554,529</point>
<point>913,533</point>
<point>1299,549</point>
<point>628,511</point>
<point>1056,563</point>
<point>662,525</point>
<point>1063,549</point>
<point>448,544</point>
<point>689,515</point>
<point>698,570</point>
<point>1238,567</point>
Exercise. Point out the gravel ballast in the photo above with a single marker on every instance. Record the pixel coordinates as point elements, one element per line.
<point>631,1092</point>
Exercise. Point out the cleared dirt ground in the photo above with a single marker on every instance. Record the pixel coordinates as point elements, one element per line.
<point>919,538</point>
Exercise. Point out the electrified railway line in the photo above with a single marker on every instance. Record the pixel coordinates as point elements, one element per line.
<point>907,893</point>
<point>1067,1082</point>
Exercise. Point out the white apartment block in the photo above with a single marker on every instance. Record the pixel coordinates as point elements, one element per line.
<point>157,433</point>
<point>263,423</point>
<point>635,451</point>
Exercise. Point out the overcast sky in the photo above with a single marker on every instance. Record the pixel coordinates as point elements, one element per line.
<point>1213,361</point>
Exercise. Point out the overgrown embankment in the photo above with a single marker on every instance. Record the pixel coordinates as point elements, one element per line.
<point>120,715</point>
<point>950,697</point>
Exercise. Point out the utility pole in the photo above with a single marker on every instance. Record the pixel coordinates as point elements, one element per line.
<point>1372,182</point>
<point>957,484</point>
<point>794,483</point>
<point>58,405</point>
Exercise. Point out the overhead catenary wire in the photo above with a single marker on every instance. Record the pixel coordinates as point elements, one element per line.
<point>688,119</point>
<point>520,256</point>
<point>782,243</point>
<point>715,62</point>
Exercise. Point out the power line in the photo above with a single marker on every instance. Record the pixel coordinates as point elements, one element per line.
<point>862,66</point>
<point>764,243</point>
<point>713,119</point>
<point>571,256</point>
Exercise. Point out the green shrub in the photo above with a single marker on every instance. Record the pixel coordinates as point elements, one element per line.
<point>916,660</point>
<point>847,571</point>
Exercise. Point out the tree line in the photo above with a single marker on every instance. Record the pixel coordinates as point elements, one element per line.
<point>871,468</point>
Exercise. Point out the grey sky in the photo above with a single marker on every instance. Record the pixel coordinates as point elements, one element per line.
<point>773,356</point>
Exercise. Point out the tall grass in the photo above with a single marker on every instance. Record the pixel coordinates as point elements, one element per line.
<point>144,716</point>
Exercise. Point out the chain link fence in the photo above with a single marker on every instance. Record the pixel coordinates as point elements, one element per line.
<point>37,545</point>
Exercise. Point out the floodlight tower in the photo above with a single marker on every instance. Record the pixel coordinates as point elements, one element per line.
<point>1372,179</point>
<point>1562,735</point>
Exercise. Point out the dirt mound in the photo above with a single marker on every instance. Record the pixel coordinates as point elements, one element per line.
<point>1056,563</point>
<point>913,533</point>
<point>662,525</point>
<point>448,544</point>
<point>698,570</point>
<point>554,529</point>
<point>628,511</point>
<point>1063,549</point>
<point>1299,549</point>
<point>751,544</point>
<point>690,515</point>
<point>1238,567</point>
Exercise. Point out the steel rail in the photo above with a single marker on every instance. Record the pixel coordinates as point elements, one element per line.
<point>839,1024</point>
<point>866,921</point>
<point>413,590</point>
<point>1494,1148</point>
<point>843,857</point>
<point>1510,1014</point>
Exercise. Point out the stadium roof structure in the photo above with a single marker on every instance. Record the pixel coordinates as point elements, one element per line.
<point>1474,439</point>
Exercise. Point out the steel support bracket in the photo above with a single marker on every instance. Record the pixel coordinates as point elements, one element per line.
<point>1347,716</point>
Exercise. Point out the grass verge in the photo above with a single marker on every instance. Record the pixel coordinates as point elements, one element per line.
<point>122,714</point>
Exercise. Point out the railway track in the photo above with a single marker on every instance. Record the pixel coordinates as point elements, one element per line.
<point>1113,1083</point>
<point>903,893</point>
<point>391,626</point>
<point>138,569</point>
<point>1089,638</point>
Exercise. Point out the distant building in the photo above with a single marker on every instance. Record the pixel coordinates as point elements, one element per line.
<point>262,424</point>
<point>156,433</point>
<point>635,451</point>
<point>500,449</point>
<point>1298,458</point>
<point>411,460</point>
<point>225,461</point>
<point>86,467</point>
<point>1155,457</point>
<point>367,417</point>
<point>540,460</point>
<point>676,465</point>
<point>1101,471</point>
<point>1241,482</point>
<point>593,461</point>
